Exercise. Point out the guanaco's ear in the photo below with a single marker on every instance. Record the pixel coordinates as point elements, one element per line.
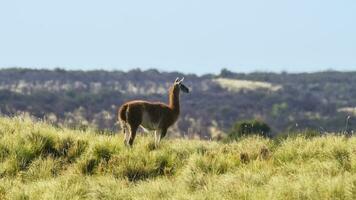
<point>177,79</point>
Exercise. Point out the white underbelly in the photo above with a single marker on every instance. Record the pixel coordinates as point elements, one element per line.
<point>147,122</point>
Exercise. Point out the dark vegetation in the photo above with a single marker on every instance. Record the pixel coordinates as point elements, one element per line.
<point>249,127</point>
<point>90,98</point>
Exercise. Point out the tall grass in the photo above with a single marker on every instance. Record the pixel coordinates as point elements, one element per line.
<point>39,161</point>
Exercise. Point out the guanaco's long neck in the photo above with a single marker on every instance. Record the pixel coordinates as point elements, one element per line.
<point>174,99</point>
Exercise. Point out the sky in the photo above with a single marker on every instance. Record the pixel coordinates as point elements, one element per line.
<point>192,36</point>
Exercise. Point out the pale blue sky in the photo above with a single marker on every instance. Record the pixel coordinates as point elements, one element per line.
<point>187,35</point>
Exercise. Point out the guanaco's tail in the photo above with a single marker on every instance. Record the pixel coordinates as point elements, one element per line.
<point>122,117</point>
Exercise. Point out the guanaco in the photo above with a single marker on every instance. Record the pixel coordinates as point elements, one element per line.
<point>153,116</point>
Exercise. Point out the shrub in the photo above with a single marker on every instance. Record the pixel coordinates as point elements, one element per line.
<point>250,127</point>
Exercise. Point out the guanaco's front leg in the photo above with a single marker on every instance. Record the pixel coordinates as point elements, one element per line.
<point>159,134</point>
<point>157,137</point>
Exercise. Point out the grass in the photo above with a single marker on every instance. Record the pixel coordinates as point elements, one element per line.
<point>39,161</point>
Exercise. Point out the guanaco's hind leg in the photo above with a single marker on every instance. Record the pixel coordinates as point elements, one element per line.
<point>132,134</point>
<point>134,119</point>
<point>126,132</point>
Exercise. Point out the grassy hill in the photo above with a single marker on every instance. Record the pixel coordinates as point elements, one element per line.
<point>40,161</point>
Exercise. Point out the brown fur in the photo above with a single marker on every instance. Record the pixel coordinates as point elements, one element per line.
<point>150,115</point>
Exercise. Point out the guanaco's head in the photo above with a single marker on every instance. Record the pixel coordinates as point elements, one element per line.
<point>178,85</point>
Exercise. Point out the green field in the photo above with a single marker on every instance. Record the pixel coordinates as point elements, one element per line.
<point>40,161</point>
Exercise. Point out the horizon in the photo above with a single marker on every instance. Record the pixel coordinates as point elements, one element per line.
<point>197,37</point>
<point>175,71</point>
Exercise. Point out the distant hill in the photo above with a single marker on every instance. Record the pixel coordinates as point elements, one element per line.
<point>320,101</point>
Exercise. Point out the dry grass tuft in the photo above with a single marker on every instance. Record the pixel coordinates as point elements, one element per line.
<point>245,158</point>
